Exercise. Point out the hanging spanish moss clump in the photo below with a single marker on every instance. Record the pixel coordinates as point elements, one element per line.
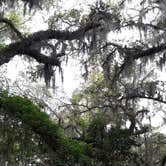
<point>162,61</point>
<point>95,40</point>
<point>27,4</point>
<point>30,3</point>
<point>48,73</point>
<point>109,21</point>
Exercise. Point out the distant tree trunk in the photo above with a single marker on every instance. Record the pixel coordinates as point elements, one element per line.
<point>146,151</point>
<point>163,162</point>
<point>158,149</point>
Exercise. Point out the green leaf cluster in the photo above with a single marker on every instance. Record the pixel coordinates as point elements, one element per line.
<point>15,18</point>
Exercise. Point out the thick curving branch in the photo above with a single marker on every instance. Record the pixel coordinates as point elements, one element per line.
<point>150,51</point>
<point>143,25</point>
<point>42,58</point>
<point>134,96</point>
<point>134,55</point>
<point>61,35</point>
<point>23,47</point>
<point>8,53</point>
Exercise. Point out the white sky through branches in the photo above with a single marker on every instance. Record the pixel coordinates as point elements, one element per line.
<point>72,78</point>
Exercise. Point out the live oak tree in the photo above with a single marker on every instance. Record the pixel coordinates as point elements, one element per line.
<point>97,39</point>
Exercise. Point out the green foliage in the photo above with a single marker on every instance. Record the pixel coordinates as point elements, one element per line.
<point>110,144</point>
<point>15,18</point>
<point>2,46</point>
<point>74,13</point>
<point>78,150</point>
<point>23,109</point>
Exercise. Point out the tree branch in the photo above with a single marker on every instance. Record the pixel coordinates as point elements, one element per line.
<point>139,54</point>
<point>150,51</point>
<point>61,35</point>
<point>144,25</point>
<point>42,58</point>
<point>23,46</point>
<point>143,97</point>
<point>12,26</point>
